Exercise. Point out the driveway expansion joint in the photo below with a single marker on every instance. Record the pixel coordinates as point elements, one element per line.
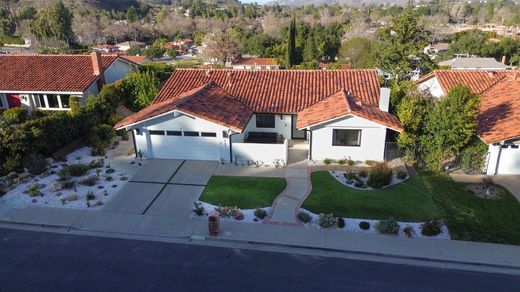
<point>162,189</point>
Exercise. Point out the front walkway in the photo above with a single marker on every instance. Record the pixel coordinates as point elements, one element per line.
<point>287,205</point>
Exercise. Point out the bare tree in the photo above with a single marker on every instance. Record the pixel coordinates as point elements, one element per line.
<point>88,29</point>
<point>220,47</point>
<point>437,25</point>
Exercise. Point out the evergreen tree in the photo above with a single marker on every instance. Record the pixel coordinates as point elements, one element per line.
<point>291,46</point>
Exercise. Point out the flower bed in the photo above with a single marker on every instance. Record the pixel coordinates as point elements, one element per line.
<point>248,214</point>
<point>89,186</point>
<point>359,182</point>
<point>353,225</point>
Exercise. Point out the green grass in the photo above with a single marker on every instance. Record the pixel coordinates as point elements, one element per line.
<point>408,201</point>
<point>244,192</point>
<point>471,218</point>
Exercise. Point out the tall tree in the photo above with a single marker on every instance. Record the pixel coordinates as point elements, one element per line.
<point>54,22</point>
<point>291,45</point>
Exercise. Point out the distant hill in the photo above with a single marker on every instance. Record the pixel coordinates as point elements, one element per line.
<point>98,4</point>
<point>319,2</point>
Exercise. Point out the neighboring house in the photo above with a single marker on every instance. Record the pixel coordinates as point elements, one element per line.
<point>254,63</point>
<point>499,117</point>
<point>436,49</point>
<point>48,81</point>
<point>125,46</point>
<point>136,59</point>
<point>105,48</point>
<point>474,63</point>
<point>252,116</point>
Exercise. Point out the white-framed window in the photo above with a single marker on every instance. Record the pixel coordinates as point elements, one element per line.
<point>52,101</point>
<point>344,137</point>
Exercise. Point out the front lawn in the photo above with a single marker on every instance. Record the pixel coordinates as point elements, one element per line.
<point>244,192</point>
<point>471,218</point>
<point>408,201</point>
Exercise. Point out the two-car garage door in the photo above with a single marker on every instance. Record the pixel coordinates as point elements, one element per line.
<point>184,147</point>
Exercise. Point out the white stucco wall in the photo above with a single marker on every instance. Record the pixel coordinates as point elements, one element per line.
<point>281,126</point>
<point>265,154</point>
<point>433,86</point>
<point>117,71</point>
<point>508,160</point>
<point>372,140</point>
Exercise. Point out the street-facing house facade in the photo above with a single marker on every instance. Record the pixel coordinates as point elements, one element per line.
<point>498,122</point>
<point>48,81</point>
<point>253,116</point>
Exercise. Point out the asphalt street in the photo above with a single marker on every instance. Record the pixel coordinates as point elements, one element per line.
<point>39,261</point>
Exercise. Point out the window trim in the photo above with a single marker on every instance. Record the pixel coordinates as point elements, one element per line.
<point>194,132</point>
<point>264,126</point>
<point>173,133</point>
<point>41,101</point>
<point>208,134</point>
<point>341,145</point>
<point>225,134</point>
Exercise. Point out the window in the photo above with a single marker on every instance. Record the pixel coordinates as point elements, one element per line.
<point>208,134</point>
<point>174,133</point>
<point>265,121</point>
<point>191,134</point>
<point>155,132</point>
<point>1,102</point>
<point>224,134</point>
<point>65,101</point>
<point>52,100</point>
<point>346,137</point>
<point>40,98</point>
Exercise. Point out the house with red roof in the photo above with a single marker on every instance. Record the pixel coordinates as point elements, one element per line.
<point>48,81</point>
<point>253,116</point>
<point>499,115</point>
<point>253,63</point>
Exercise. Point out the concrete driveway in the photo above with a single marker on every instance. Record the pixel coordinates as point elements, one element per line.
<point>165,188</point>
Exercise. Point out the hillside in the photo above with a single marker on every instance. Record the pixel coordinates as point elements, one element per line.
<point>98,4</point>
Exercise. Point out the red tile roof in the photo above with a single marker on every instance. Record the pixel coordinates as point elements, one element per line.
<point>209,102</point>
<point>60,73</point>
<point>135,59</point>
<point>477,80</point>
<point>342,104</point>
<point>499,117</point>
<point>256,61</point>
<point>277,91</point>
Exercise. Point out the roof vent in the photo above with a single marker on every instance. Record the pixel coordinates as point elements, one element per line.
<point>208,73</point>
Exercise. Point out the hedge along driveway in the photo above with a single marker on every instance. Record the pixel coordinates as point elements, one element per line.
<point>244,192</point>
<point>408,201</point>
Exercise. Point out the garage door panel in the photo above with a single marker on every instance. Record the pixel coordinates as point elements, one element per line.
<point>180,147</point>
<point>509,161</point>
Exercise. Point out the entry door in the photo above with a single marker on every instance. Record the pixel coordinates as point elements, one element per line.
<point>295,133</point>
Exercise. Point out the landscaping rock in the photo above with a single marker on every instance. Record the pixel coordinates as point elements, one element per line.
<point>114,186</point>
<point>89,181</point>
<point>100,187</point>
<point>45,174</point>
<point>58,194</point>
<point>123,178</point>
<point>71,197</point>
<point>49,160</point>
<point>24,175</point>
<point>54,166</point>
<point>56,186</point>
<point>34,200</point>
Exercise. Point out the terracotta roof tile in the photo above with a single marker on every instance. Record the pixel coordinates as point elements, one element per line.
<point>499,117</point>
<point>477,80</point>
<point>209,102</point>
<point>66,73</point>
<point>343,104</point>
<point>277,91</point>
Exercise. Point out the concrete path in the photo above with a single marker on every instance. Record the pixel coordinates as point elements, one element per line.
<point>510,182</point>
<point>286,206</point>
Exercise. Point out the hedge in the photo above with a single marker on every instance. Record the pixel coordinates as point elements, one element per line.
<point>48,133</point>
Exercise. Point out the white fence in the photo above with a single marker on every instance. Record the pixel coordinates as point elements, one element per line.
<point>264,154</point>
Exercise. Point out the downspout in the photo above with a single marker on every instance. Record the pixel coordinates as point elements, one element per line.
<point>498,158</point>
<point>231,147</point>
<point>135,144</point>
<point>310,143</point>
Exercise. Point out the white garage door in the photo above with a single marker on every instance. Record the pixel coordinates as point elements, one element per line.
<point>509,161</point>
<point>181,147</point>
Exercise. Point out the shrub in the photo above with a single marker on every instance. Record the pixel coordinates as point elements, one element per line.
<point>379,175</point>
<point>35,163</point>
<point>260,213</point>
<point>199,209</point>
<point>74,170</point>
<point>239,216</point>
<point>110,170</point>
<point>114,119</point>
<point>340,223</point>
<point>370,162</point>
<point>342,161</point>
<point>401,175</point>
<point>363,173</point>
<point>327,161</point>
<point>227,211</point>
<point>351,162</point>
<point>96,163</point>
<point>99,139</point>
<point>359,184</point>
<point>90,196</point>
<point>15,116</point>
<point>33,190</point>
<point>388,226</point>
<point>304,217</point>
<point>75,104</point>
<point>431,228</point>
<point>473,157</point>
<point>351,175</point>
<point>326,220</point>
<point>364,225</point>
<point>140,89</point>
<point>408,230</point>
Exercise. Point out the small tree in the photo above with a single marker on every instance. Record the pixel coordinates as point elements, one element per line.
<point>74,103</point>
<point>140,89</point>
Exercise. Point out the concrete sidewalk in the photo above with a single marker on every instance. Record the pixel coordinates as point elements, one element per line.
<point>492,256</point>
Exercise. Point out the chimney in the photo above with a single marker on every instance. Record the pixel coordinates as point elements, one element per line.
<point>503,60</point>
<point>97,65</point>
<point>384,99</point>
